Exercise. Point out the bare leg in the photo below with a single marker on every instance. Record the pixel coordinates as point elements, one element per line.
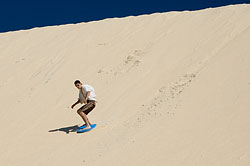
<point>84,118</point>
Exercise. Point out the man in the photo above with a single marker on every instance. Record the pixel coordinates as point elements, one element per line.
<point>86,96</point>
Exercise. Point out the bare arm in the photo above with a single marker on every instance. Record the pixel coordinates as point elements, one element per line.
<point>78,101</point>
<point>86,98</point>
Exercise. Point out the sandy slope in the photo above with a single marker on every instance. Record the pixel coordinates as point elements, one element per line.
<point>173,89</point>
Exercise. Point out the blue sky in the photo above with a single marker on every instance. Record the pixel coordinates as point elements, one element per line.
<point>26,14</point>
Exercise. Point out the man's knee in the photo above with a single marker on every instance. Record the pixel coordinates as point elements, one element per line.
<point>79,111</point>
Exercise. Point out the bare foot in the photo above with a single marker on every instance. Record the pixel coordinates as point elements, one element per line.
<point>84,125</point>
<point>87,127</point>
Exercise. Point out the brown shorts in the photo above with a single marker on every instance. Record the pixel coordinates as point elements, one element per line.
<point>87,108</point>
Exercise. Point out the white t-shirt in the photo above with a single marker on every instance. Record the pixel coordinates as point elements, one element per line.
<point>83,91</point>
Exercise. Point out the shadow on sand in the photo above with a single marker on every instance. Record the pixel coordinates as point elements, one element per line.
<point>67,130</point>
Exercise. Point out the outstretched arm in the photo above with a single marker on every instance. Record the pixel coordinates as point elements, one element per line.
<point>78,101</point>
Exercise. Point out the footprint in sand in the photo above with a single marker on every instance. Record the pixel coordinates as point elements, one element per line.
<point>102,44</point>
<point>179,86</point>
<point>131,61</point>
<point>166,98</point>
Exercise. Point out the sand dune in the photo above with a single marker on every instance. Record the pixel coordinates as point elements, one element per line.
<point>173,89</point>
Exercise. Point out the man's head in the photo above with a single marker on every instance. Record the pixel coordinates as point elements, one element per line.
<point>78,84</point>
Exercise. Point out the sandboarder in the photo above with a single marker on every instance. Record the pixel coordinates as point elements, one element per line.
<point>86,96</point>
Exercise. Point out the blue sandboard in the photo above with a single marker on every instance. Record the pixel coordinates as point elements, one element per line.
<point>82,128</point>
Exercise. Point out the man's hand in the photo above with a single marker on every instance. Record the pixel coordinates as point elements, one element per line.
<point>78,101</point>
<point>85,101</point>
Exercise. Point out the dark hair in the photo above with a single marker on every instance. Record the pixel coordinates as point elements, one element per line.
<point>77,82</point>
